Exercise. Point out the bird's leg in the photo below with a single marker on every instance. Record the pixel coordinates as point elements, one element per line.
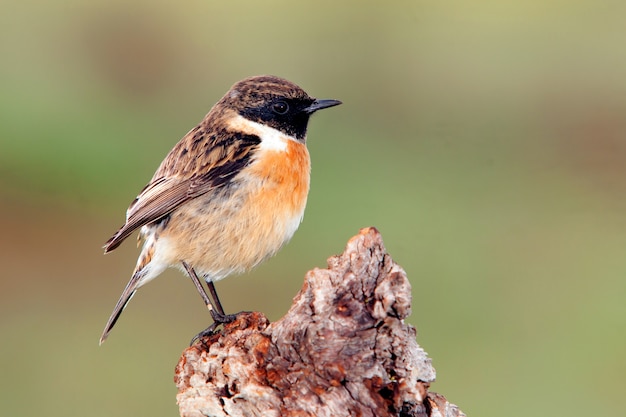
<point>207,301</point>
<point>225,318</point>
<point>217,313</point>
<point>199,287</point>
<point>218,304</point>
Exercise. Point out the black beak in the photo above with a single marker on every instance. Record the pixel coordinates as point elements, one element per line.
<point>321,104</point>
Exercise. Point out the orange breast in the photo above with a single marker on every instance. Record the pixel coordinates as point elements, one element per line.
<point>285,178</point>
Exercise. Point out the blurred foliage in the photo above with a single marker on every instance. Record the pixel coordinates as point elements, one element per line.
<point>486,140</point>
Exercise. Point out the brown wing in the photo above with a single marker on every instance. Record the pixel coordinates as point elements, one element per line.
<point>198,164</point>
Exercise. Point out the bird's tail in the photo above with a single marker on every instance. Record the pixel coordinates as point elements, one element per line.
<point>148,267</point>
<point>130,290</point>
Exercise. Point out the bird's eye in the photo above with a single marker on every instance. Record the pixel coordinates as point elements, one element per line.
<point>280,107</point>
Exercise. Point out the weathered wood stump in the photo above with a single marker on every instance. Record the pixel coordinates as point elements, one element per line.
<point>342,349</point>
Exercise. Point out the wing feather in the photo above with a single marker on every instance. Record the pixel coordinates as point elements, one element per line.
<point>198,164</point>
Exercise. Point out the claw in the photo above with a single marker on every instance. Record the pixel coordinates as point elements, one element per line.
<point>209,331</point>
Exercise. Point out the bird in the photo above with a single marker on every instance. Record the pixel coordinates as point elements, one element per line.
<point>228,195</point>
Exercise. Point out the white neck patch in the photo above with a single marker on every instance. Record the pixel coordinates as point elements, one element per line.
<point>271,139</point>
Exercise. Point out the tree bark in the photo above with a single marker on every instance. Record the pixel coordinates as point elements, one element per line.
<point>342,349</point>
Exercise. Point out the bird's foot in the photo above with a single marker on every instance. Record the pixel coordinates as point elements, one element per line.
<point>218,319</point>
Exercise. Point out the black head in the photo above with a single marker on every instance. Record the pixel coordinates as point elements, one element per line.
<point>274,102</point>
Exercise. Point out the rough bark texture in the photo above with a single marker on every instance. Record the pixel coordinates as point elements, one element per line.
<point>342,349</point>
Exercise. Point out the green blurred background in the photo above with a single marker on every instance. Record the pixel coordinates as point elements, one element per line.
<point>486,140</point>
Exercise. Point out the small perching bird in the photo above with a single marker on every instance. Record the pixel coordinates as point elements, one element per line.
<point>229,194</point>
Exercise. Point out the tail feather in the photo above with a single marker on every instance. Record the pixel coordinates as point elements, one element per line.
<point>148,267</point>
<point>127,294</point>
